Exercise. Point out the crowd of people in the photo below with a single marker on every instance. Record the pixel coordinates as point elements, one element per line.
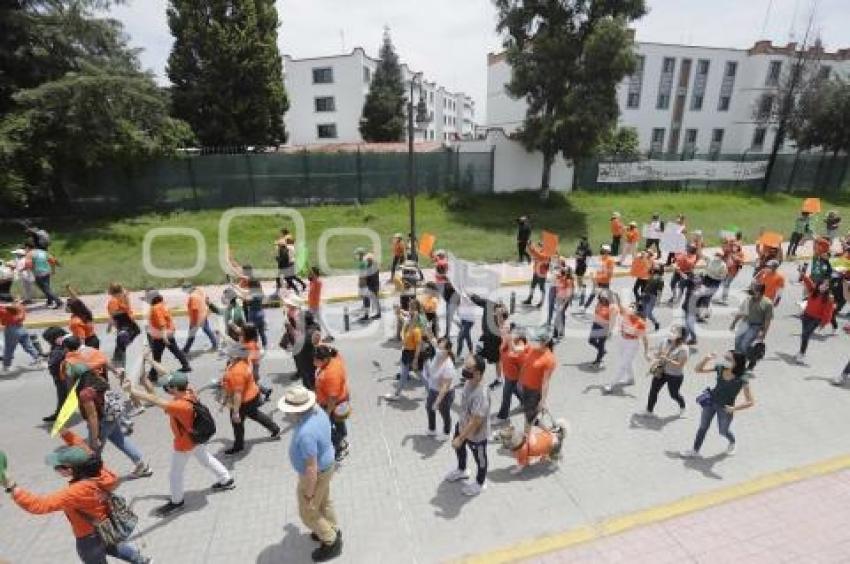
<point>319,404</point>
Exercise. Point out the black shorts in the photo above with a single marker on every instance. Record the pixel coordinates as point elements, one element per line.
<point>530,402</point>
<point>490,348</point>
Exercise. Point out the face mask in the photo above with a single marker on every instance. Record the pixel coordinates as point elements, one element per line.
<point>466,374</point>
<point>723,363</point>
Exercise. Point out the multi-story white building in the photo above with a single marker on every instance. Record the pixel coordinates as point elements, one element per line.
<point>326,97</point>
<point>689,100</point>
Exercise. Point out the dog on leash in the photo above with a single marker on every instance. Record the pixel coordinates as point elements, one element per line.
<point>542,443</point>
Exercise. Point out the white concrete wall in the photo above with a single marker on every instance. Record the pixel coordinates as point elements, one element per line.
<point>517,169</point>
<point>349,90</point>
<point>738,122</point>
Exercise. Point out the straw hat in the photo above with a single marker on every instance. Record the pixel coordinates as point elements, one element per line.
<point>296,399</point>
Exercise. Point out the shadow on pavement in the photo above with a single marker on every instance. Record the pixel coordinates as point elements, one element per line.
<point>533,472</point>
<point>829,381</point>
<point>295,546</point>
<point>403,403</point>
<point>449,500</point>
<point>587,367</point>
<point>194,500</point>
<point>704,465</point>
<point>423,444</point>
<point>617,392</point>
<point>637,421</point>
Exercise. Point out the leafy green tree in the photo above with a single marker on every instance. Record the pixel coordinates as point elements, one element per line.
<point>622,144</point>
<point>227,72</point>
<point>567,58</point>
<point>383,112</point>
<point>822,117</point>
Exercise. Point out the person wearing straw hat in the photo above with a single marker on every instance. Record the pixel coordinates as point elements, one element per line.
<point>311,454</point>
<point>83,500</point>
<point>180,408</point>
<point>632,236</point>
<point>242,396</point>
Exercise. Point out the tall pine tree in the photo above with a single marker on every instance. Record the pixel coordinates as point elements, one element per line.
<point>226,71</point>
<point>383,113</point>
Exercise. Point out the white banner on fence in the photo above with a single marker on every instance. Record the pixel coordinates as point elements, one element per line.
<point>643,171</point>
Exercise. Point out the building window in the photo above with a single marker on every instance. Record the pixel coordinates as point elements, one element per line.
<point>758,138</point>
<point>716,141</point>
<point>663,102</point>
<point>324,75</point>
<point>367,75</point>
<point>702,66</point>
<point>773,73</point>
<point>325,104</point>
<point>634,100</point>
<point>731,68</point>
<point>657,144</point>
<point>669,65</point>
<point>765,107</point>
<point>823,72</point>
<point>690,140</point>
<point>431,100</point>
<point>326,130</point>
<point>696,102</point>
<point>723,106</point>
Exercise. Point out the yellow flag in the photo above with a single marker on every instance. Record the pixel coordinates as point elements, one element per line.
<point>70,406</point>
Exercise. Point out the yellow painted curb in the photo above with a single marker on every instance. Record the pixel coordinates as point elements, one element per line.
<point>182,312</point>
<point>614,525</point>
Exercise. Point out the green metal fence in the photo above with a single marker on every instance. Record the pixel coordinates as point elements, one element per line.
<point>820,173</point>
<point>219,181</point>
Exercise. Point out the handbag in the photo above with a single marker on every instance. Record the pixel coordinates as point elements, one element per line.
<point>704,398</point>
<point>342,411</point>
<point>119,523</point>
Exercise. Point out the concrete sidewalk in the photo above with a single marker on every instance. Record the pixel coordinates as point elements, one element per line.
<point>335,289</point>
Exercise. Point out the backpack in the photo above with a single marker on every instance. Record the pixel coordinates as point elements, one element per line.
<point>203,424</point>
<point>119,523</point>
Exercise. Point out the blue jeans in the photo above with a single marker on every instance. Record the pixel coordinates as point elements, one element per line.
<point>111,431</point>
<point>404,370</point>
<point>511,388</point>
<point>13,335</point>
<point>465,335</point>
<point>43,283</point>
<point>552,291</point>
<point>649,302</point>
<point>207,329</point>
<point>444,407</point>
<point>258,318</point>
<point>745,338</point>
<point>724,420</point>
<point>92,550</point>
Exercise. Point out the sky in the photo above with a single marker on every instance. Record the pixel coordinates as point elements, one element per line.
<point>449,39</point>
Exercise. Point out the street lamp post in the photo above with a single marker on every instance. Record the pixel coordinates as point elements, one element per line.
<point>421,120</point>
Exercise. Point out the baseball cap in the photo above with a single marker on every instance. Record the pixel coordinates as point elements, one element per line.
<point>176,379</point>
<point>72,342</point>
<point>606,248</point>
<point>70,456</point>
<point>151,294</point>
<point>539,335</point>
<point>773,263</point>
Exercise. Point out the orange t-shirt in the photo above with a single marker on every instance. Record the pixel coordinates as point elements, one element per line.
<point>685,263</point>
<point>641,267</point>
<point>606,270</point>
<point>253,348</point>
<point>159,320</point>
<point>239,378</point>
<point>563,287</point>
<point>197,306</point>
<point>534,366</point>
<point>80,328</point>
<point>12,315</point>
<point>633,327</point>
<point>118,304</point>
<point>773,282</point>
<point>511,361</point>
<point>91,357</point>
<point>537,444</point>
<point>314,293</point>
<point>541,261</point>
<point>181,417</point>
<point>398,248</point>
<point>616,227</point>
<point>429,304</point>
<point>632,235</point>
<point>332,381</point>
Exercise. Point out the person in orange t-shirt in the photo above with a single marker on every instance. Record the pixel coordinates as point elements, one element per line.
<point>242,396</point>
<point>604,318</point>
<point>81,324</point>
<point>196,305</point>
<point>399,249</point>
<point>430,302</point>
<point>512,353</point>
<point>818,313</point>
<point>14,333</point>
<point>540,268</point>
<point>603,275</point>
<point>683,277</point>
<point>122,319</point>
<point>632,236</point>
<point>538,365</point>
<point>83,496</point>
<point>617,230</point>
<point>181,416</point>
<point>314,301</point>
<point>161,333</point>
<point>332,395</point>
<point>641,268</point>
<point>773,280</point>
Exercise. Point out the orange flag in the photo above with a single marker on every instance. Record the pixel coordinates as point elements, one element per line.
<point>771,239</point>
<point>811,205</point>
<point>426,244</point>
<point>550,243</point>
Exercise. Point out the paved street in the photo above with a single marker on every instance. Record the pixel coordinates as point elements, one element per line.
<point>389,494</point>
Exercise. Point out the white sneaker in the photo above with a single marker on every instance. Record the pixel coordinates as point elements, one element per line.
<point>431,433</point>
<point>392,397</point>
<point>608,388</point>
<point>37,363</point>
<point>472,489</point>
<point>499,420</point>
<point>690,453</point>
<point>645,413</point>
<point>457,475</point>
<point>443,437</point>
<point>800,358</point>
<point>516,470</point>
<point>730,450</point>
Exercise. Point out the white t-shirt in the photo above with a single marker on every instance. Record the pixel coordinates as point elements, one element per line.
<point>439,370</point>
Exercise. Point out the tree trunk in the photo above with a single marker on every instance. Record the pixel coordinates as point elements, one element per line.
<point>548,161</point>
